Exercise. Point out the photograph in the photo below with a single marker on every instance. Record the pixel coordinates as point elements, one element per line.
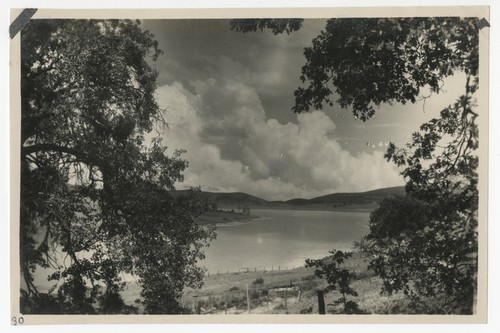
<point>264,166</point>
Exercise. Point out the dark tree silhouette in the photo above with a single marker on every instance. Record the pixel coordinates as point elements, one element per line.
<point>92,188</point>
<point>338,278</point>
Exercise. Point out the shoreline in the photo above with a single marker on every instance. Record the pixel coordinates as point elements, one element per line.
<point>214,217</point>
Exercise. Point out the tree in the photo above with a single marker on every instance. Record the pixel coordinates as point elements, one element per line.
<point>440,238</point>
<point>425,252</point>
<point>426,243</point>
<point>337,278</point>
<point>92,187</point>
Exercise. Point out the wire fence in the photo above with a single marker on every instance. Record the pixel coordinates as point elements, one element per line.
<point>297,296</point>
<point>262,269</point>
<point>354,265</point>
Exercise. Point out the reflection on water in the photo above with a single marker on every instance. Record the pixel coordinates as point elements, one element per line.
<point>282,238</point>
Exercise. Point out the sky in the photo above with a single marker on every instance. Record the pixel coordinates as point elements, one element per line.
<point>228,97</point>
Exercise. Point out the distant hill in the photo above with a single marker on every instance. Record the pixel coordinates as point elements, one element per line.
<point>357,201</point>
<point>228,199</point>
<point>355,198</point>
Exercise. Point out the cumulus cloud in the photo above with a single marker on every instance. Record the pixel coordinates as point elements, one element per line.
<point>232,146</point>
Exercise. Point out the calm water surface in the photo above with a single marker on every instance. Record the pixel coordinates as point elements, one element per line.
<point>282,238</point>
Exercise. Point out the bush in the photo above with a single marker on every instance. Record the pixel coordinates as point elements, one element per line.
<point>264,292</point>
<point>308,277</point>
<point>253,294</point>
<point>257,281</point>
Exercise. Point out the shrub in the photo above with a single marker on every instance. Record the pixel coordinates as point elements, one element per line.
<point>257,281</point>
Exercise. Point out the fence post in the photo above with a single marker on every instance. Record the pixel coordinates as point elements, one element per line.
<point>196,305</point>
<point>321,302</point>
<point>225,303</point>
<point>286,305</point>
<point>248,300</point>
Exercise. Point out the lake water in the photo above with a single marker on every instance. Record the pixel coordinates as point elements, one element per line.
<point>277,239</point>
<point>282,238</point>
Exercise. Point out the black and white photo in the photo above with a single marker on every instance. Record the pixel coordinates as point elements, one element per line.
<point>305,166</point>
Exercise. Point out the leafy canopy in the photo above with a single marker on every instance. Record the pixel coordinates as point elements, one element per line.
<point>365,62</point>
<point>92,187</point>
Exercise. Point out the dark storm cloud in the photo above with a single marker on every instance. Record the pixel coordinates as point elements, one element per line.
<point>204,49</point>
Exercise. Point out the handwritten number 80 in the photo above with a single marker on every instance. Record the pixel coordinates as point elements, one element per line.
<point>17,321</point>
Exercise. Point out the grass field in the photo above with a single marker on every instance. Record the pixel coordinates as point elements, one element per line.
<point>279,292</point>
<point>226,293</point>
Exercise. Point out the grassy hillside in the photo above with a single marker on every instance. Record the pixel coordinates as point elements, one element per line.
<point>267,290</point>
<point>226,293</point>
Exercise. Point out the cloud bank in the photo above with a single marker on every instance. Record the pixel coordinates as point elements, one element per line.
<point>232,146</point>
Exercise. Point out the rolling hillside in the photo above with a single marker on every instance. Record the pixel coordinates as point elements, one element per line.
<point>336,201</point>
<point>353,198</point>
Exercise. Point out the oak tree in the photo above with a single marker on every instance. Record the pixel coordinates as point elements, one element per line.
<point>95,201</point>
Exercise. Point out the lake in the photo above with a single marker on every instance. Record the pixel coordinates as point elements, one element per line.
<point>278,239</point>
<point>282,238</point>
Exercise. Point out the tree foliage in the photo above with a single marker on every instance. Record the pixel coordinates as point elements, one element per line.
<point>338,278</point>
<point>433,261</point>
<point>426,242</point>
<point>93,190</point>
<point>366,62</point>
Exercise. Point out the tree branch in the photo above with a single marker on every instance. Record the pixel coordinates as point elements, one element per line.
<point>85,158</point>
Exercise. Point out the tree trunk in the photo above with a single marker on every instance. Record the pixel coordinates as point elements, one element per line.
<point>321,302</point>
